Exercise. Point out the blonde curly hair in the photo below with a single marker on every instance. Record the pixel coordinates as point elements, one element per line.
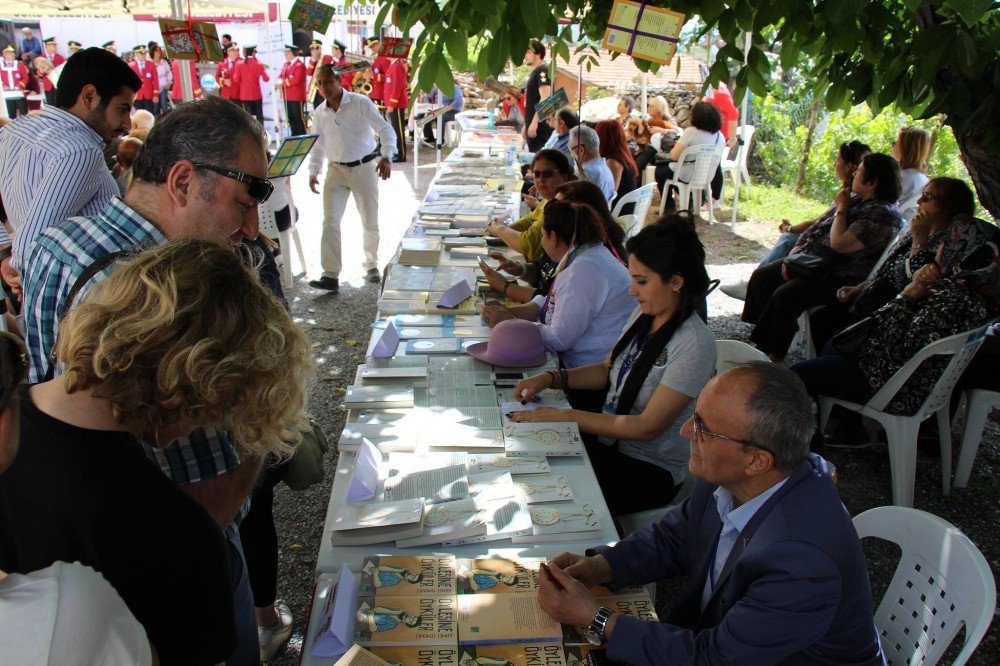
<point>185,333</point>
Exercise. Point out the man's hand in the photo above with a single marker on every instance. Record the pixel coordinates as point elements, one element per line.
<point>784,272</point>
<point>383,169</point>
<point>590,571</point>
<point>564,598</point>
<point>11,276</point>
<point>313,183</point>
<point>785,226</point>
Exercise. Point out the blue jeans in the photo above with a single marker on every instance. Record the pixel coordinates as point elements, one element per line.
<point>247,647</point>
<point>782,247</point>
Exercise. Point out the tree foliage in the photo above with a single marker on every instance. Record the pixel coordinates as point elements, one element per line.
<point>926,58</point>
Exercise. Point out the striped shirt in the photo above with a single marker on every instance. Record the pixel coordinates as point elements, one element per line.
<point>51,167</point>
<point>733,522</point>
<point>61,254</point>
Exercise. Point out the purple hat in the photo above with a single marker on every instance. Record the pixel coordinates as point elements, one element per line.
<point>514,343</point>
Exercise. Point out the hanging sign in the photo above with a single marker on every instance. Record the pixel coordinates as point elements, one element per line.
<point>644,32</point>
<point>191,40</point>
<point>311,15</point>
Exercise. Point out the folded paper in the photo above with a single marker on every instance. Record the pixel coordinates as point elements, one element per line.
<point>387,343</point>
<point>337,622</point>
<point>364,481</point>
<point>455,294</point>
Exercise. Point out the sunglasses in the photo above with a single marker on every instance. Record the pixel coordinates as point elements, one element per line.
<point>259,189</point>
<point>14,353</point>
<point>547,173</point>
<point>924,196</point>
<point>701,432</point>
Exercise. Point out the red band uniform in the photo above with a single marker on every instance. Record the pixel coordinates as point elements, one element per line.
<point>14,76</point>
<point>397,99</point>
<point>293,86</point>
<point>246,79</point>
<point>147,95</point>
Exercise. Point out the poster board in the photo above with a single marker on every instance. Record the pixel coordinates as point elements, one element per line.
<point>551,104</point>
<point>644,32</point>
<point>311,15</point>
<point>290,156</point>
<point>195,40</point>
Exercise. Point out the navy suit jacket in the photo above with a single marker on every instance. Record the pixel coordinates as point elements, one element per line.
<point>794,589</point>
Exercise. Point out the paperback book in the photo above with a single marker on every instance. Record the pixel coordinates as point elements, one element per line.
<point>513,654</point>
<point>416,620</point>
<point>495,619</point>
<point>542,488</point>
<point>471,521</point>
<point>479,463</point>
<point>443,484</point>
<point>542,439</point>
<point>497,575</point>
<point>407,575</point>
<point>423,655</point>
<point>378,397</point>
<point>571,521</point>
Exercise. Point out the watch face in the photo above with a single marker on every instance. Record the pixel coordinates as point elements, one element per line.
<point>592,637</point>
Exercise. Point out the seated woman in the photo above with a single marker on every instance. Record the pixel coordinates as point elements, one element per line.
<point>614,150</point>
<point>660,119</point>
<point>550,169</point>
<point>514,117</point>
<point>181,337</point>
<point>946,208</point>
<point>705,127</point>
<point>589,299</point>
<point>658,367</point>
<point>639,137</point>
<point>846,242</point>
<point>946,298</point>
<point>911,148</point>
<point>539,275</point>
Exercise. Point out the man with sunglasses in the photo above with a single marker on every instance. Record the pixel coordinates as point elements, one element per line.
<point>776,572</point>
<point>347,124</point>
<point>199,175</point>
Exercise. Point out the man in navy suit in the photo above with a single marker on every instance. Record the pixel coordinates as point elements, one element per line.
<point>776,569</point>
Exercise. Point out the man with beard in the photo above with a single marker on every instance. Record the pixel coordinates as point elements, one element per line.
<point>52,164</point>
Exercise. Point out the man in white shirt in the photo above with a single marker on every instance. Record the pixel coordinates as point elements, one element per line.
<point>345,123</point>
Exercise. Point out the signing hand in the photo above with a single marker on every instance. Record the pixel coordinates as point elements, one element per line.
<point>565,599</point>
<point>313,183</point>
<point>541,415</point>
<point>528,389</point>
<point>383,169</point>
<point>590,571</point>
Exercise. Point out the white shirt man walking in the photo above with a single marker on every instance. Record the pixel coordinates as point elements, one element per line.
<point>345,123</point>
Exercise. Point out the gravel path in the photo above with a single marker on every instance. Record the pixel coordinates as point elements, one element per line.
<point>339,327</point>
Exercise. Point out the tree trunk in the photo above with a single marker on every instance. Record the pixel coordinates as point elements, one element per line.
<point>984,170</point>
<point>800,180</point>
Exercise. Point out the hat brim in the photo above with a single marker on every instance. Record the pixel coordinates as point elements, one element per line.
<point>481,351</point>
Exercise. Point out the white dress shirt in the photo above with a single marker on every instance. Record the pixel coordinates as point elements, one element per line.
<point>347,135</point>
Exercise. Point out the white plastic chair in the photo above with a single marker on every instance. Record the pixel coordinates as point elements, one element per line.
<point>730,352</point>
<point>901,431</point>
<point>703,161</point>
<point>979,403</point>
<point>942,581</point>
<point>729,166</point>
<point>269,227</point>
<point>641,197</point>
<point>452,134</point>
<point>629,224</point>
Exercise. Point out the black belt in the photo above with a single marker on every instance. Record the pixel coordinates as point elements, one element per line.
<point>363,160</point>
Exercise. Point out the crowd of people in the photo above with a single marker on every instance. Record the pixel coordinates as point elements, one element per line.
<point>158,390</point>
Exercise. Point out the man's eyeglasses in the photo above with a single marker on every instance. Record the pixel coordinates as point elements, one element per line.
<point>927,196</point>
<point>700,433</point>
<point>258,188</point>
<point>16,365</point>
<point>546,173</point>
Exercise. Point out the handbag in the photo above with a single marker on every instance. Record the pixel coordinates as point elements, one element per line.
<point>814,262</point>
<point>305,468</point>
<point>849,340</point>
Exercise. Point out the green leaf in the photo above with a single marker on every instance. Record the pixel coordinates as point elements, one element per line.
<point>484,6</point>
<point>972,11</point>
<point>967,53</point>
<point>458,46</point>
<point>428,71</point>
<point>711,9</point>
<point>380,17</point>
<point>535,15</point>
<point>789,54</point>
<point>444,78</point>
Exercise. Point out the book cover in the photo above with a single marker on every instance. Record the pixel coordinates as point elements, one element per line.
<point>479,463</point>
<point>463,438</point>
<point>497,575</point>
<point>424,655</point>
<point>378,397</point>
<point>512,654</point>
<point>587,655</point>
<point>569,521</point>
<point>374,375</point>
<point>404,295</point>
<point>639,606</point>
<point>492,485</point>
<point>542,488</point>
<point>542,439</point>
<point>385,436</point>
<point>420,620</point>
<point>378,514</point>
<point>471,521</point>
<point>494,619</point>
<point>407,575</point>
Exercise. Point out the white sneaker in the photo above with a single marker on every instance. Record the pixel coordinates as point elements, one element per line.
<point>737,290</point>
<point>272,639</point>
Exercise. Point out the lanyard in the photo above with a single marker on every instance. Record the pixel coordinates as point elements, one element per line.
<point>631,356</point>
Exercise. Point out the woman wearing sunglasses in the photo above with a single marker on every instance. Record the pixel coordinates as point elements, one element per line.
<point>514,117</point>
<point>181,337</point>
<point>649,382</point>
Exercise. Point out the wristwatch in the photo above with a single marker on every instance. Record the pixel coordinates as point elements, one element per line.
<point>595,632</point>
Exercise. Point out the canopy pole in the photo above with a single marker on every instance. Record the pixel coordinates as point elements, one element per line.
<point>744,107</point>
<point>645,93</point>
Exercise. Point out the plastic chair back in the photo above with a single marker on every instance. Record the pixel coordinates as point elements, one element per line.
<point>942,581</point>
<point>268,224</point>
<point>730,352</point>
<point>641,197</point>
<point>705,159</point>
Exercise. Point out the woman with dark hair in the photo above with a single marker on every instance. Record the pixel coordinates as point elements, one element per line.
<point>165,74</point>
<point>541,273</point>
<point>839,249</point>
<point>664,357</point>
<point>705,129</point>
<point>946,208</point>
<point>911,148</point>
<point>550,169</point>
<point>589,299</point>
<point>614,150</point>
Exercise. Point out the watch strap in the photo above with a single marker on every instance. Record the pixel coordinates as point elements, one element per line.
<point>599,622</point>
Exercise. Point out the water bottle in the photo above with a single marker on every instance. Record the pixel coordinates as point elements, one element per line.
<point>509,160</point>
<point>492,125</point>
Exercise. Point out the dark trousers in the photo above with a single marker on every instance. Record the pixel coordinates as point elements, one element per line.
<point>260,539</point>
<point>665,173</point>
<point>538,142</point>
<point>17,107</point>
<point>295,119</point>
<point>835,375</point>
<point>643,159</point>
<point>255,107</point>
<point>50,97</point>
<point>397,118</point>
<point>830,320</point>
<point>431,127</point>
<point>145,105</point>
<point>629,485</point>
<point>774,306</point>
